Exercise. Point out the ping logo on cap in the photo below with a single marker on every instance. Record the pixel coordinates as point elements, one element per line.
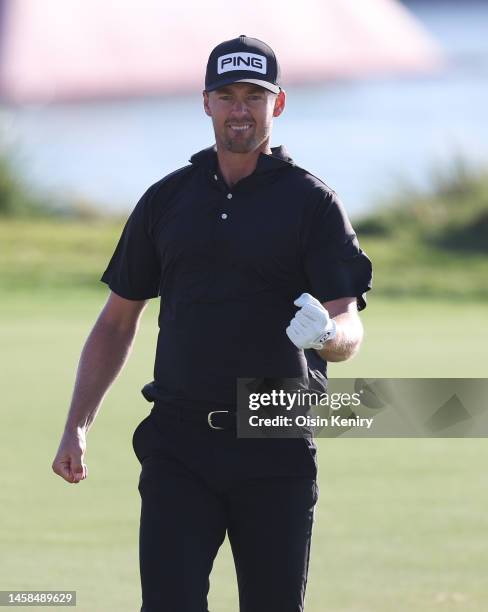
<point>241,61</point>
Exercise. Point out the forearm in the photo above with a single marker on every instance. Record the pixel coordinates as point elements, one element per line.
<point>347,340</point>
<point>103,356</point>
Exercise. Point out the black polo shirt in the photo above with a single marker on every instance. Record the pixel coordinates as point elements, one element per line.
<point>228,263</point>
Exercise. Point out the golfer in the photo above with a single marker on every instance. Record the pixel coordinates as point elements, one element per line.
<point>260,274</point>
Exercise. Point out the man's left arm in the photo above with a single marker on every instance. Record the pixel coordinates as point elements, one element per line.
<point>333,328</point>
<point>349,330</point>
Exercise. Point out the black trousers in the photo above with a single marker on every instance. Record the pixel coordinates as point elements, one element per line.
<point>196,485</point>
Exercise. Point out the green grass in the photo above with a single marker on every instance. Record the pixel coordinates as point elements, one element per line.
<point>400,523</point>
<point>409,338</point>
<point>406,268</point>
<point>55,254</point>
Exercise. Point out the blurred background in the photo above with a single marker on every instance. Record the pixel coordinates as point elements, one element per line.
<point>386,102</point>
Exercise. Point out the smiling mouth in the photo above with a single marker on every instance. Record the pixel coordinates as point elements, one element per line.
<point>240,128</point>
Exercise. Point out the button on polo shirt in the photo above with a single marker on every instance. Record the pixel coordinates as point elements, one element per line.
<point>227,278</point>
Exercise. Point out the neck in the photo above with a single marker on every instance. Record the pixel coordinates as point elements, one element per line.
<point>236,166</point>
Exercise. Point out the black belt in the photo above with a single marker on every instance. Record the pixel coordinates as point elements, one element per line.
<point>215,419</point>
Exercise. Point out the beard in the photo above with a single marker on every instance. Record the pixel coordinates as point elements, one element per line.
<point>240,143</point>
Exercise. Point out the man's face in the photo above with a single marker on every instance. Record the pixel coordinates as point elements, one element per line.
<point>242,115</point>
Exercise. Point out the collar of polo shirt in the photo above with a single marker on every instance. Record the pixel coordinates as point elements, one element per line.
<point>279,158</point>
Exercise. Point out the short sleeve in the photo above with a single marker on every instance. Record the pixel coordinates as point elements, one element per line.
<point>334,263</point>
<point>134,269</point>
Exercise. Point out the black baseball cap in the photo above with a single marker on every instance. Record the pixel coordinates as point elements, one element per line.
<point>243,60</point>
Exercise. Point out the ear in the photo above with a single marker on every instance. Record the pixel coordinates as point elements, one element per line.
<point>206,103</point>
<point>280,101</point>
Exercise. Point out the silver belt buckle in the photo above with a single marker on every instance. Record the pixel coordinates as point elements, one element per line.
<point>209,418</point>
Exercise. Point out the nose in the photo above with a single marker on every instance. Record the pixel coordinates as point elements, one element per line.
<point>239,107</point>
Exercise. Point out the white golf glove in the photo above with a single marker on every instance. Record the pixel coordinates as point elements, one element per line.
<point>312,326</point>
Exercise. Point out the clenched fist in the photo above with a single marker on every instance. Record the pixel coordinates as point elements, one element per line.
<point>69,460</point>
<point>311,326</point>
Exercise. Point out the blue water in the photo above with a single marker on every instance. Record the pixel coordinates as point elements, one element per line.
<point>361,137</point>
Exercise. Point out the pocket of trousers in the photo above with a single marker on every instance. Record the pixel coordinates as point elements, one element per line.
<point>136,437</point>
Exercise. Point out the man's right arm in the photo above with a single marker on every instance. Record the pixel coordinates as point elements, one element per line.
<point>103,356</point>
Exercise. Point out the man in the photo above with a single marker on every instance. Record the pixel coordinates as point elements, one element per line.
<point>255,261</point>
